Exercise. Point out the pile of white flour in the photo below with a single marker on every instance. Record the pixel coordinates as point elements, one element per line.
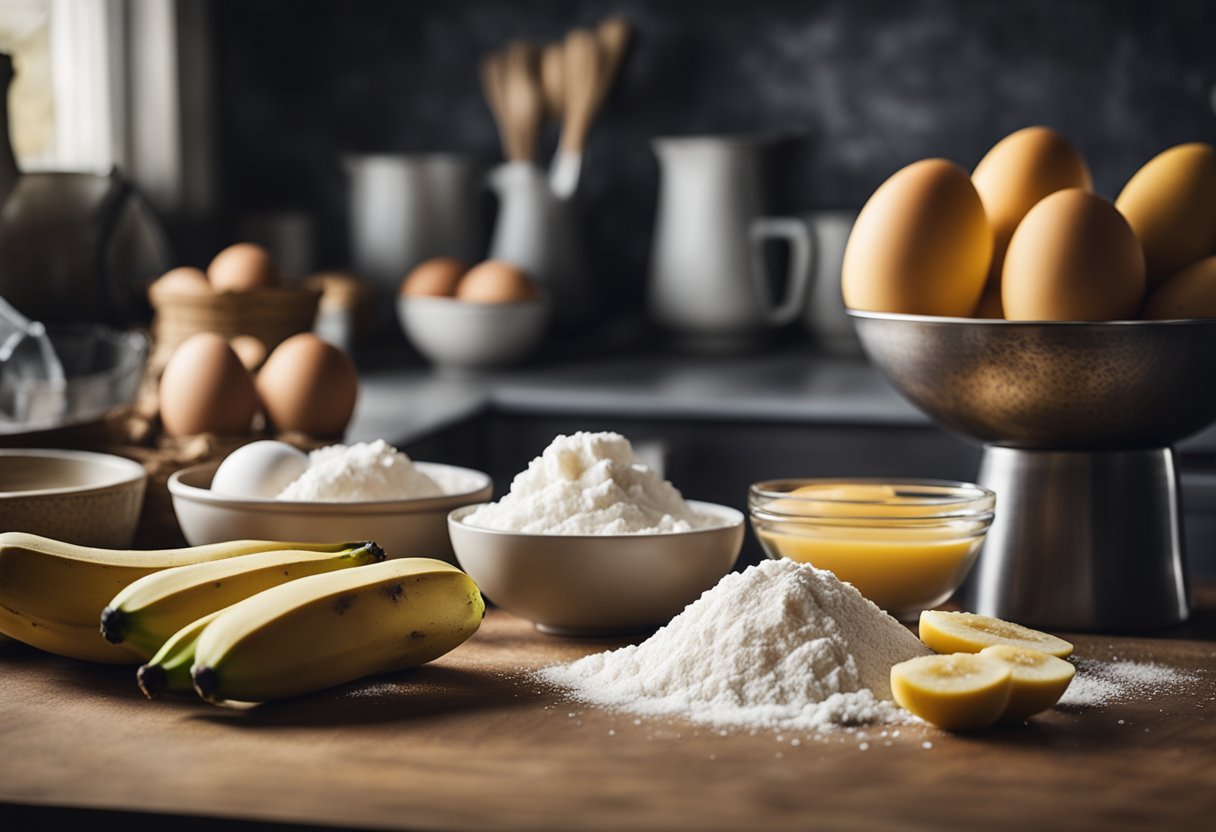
<point>366,471</point>
<point>589,483</point>
<point>781,645</point>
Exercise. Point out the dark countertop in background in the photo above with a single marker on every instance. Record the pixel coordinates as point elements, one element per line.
<point>790,386</point>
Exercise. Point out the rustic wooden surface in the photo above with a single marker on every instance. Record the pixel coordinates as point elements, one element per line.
<point>471,743</point>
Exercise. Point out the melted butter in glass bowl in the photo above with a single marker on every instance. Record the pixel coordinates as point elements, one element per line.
<point>907,545</point>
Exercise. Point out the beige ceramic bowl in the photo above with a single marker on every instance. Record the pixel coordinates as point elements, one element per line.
<point>404,528</point>
<point>598,584</point>
<point>465,334</point>
<point>80,497</point>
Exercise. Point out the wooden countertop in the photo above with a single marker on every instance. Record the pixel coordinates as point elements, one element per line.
<point>470,743</point>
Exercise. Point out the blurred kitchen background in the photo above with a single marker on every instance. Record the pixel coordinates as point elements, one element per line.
<point>231,115</point>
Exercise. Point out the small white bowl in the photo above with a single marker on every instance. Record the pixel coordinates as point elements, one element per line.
<point>403,528</point>
<point>76,496</point>
<point>466,334</point>
<point>598,584</point>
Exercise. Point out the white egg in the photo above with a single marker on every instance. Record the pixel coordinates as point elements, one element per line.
<point>259,470</point>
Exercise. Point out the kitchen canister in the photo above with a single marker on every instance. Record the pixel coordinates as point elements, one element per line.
<point>708,283</point>
<point>406,208</point>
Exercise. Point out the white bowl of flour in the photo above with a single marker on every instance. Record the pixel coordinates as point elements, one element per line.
<point>404,527</point>
<point>592,541</point>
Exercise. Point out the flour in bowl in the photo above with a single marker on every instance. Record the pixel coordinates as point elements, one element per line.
<point>589,484</point>
<point>781,645</point>
<point>362,472</point>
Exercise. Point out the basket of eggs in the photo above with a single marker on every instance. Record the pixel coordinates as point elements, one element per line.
<point>241,294</point>
<point>489,315</point>
<point>210,400</point>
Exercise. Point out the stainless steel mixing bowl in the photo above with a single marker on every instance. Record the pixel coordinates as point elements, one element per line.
<point>1077,419</point>
<point>1077,386</point>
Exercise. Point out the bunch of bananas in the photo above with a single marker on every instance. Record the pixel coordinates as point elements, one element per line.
<point>244,620</point>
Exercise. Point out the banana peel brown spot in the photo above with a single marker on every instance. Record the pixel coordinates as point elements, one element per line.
<point>343,603</point>
<point>395,592</point>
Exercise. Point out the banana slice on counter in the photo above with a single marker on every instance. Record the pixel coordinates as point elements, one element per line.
<point>1039,680</point>
<point>954,692</point>
<point>966,632</point>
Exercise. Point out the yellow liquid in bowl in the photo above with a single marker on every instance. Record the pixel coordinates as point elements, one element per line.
<point>903,571</point>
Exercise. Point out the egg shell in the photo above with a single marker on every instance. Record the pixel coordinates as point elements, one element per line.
<point>1171,205</point>
<point>259,470</point>
<point>1013,176</point>
<point>921,245</point>
<point>496,281</point>
<point>1189,294</point>
<point>436,277</point>
<point>205,389</point>
<point>241,268</point>
<point>1073,258</point>
<point>308,385</point>
<point>184,280</point>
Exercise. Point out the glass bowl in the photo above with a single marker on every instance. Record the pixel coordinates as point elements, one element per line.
<point>907,545</point>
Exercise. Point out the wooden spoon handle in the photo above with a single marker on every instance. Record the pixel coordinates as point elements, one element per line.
<point>552,78</point>
<point>581,84</point>
<point>524,99</point>
<point>613,35</point>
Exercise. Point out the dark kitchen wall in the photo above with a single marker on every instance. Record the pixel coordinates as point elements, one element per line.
<point>856,89</point>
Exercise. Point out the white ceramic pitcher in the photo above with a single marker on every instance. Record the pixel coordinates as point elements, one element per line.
<point>540,232</point>
<point>708,283</point>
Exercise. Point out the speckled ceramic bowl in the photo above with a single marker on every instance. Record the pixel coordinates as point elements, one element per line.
<point>75,496</point>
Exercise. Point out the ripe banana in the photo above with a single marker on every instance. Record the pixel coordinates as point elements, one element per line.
<point>325,630</point>
<point>169,669</point>
<point>151,609</point>
<point>51,592</point>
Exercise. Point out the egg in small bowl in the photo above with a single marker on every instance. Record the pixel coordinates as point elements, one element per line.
<point>490,315</point>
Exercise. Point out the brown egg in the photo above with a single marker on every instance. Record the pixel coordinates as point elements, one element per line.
<point>437,277</point>
<point>184,280</point>
<point>1189,294</point>
<point>308,385</point>
<point>921,245</point>
<point>496,281</point>
<point>206,389</point>
<point>1073,258</point>
<point>242,267</point>
<point>1013,176</point>
<point>1171,205</point>
<point>249,349</point>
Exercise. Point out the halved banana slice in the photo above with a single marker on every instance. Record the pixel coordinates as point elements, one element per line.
<point>966,632</point>
<point>1039,680</point>
<point>953,692</point>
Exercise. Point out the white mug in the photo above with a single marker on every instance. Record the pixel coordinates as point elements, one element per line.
<point>708,283</point>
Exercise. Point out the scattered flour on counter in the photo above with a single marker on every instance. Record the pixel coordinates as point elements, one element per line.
<point>1099,683</point>
<point>781,645</point>
<point>366,471</point>
<point>589,483</point>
